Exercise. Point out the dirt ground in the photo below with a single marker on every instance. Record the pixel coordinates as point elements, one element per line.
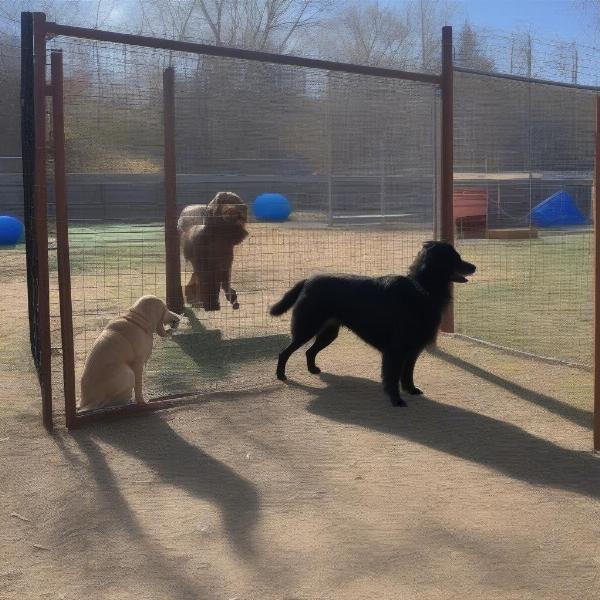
<point>314,490</point>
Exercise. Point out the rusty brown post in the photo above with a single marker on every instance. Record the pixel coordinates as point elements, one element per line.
<point>41,213</point>
<point>62,237</point>
<point>596,357</point>
<point>447,159</point>
<point>174,295</point>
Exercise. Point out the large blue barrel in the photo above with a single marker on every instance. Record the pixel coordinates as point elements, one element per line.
<point>271,207</point>
<point>11,230</point>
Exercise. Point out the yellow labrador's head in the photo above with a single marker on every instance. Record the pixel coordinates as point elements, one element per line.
<point>155,311</point>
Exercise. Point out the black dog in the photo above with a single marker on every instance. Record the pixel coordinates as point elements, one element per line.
<point>397,315</point>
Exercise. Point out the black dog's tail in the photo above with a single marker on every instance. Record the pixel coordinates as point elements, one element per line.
<point>288,300</point>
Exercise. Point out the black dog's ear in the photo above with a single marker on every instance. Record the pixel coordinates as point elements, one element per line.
<point>429,244</point>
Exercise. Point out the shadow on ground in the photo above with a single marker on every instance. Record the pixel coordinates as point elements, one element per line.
<point>203,354</point>
<point>178,463</point>
<point>468,435</point>
<point>580,417</point>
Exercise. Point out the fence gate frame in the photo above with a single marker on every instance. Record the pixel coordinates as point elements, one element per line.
<point>35,30</point>
<point>33,144</point>
<point>596,293</point>
<point>34,92</point>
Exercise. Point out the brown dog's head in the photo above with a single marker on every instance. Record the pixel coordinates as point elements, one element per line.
<point>155,312</point>
<point>228,206</point>
<point>235,213</point>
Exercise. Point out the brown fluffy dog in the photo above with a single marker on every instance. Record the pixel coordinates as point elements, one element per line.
<point>209,249</point>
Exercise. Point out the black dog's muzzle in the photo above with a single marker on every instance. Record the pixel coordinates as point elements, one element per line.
<point>464,269</point>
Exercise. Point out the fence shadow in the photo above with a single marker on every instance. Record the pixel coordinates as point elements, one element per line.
<point>457,431</point>
<point>181,464</point>
<point>217,357</point>
<point>576,415</point>
<point>111,500</point>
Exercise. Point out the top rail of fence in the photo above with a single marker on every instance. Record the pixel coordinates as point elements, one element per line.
<point>56,29</point>
<point>524,79</point>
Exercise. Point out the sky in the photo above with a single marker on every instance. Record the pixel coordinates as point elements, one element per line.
<point>566,19</point>
<point>569,20</point>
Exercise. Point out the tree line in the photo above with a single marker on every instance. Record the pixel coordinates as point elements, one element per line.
<point>297,107</point>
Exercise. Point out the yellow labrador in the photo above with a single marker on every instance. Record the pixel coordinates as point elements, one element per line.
<point>115,365</point>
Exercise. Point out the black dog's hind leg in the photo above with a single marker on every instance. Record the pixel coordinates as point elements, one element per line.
<point>304,326</point>
<point>325,337</point>
<point>287,352</point>
<point>406,373</point>
<point>391,365</point>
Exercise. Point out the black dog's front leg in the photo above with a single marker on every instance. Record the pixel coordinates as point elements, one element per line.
<point>406,374</point>
<point>390,373</point>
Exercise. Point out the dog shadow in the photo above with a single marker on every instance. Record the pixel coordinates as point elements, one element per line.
<point>462,433</point>
<point>178,463</point>
<point>217,357</point>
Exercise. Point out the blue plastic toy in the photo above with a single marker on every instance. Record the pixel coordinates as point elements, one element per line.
<point>11,230</point>
<point>558,210</point>
<point>271,207</point>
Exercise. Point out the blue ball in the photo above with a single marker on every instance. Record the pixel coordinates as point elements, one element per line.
<point>271,207</point>
<point>11,230</point>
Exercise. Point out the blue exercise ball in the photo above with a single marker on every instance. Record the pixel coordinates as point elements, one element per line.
<point>271,207</point>
<point>11,230</point>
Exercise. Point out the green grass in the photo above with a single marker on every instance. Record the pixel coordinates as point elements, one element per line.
<point>116,248</point>
<point>532,295</point>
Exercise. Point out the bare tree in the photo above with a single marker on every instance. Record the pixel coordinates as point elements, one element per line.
<point>258,24</point>
<point>428,17</point>
<point>166,18</point>
<point>369,33</point>
<point>588,7</point>
<point>521,54</point>
<point>563,64</point>
<point>89,13</point>
<point>376,33</point>
<point>470,52</point>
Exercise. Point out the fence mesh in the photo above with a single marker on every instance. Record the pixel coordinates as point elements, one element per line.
<point>355,156</point>
<point>517,144</point>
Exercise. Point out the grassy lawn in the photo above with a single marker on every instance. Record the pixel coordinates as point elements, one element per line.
<point>532,295</point>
